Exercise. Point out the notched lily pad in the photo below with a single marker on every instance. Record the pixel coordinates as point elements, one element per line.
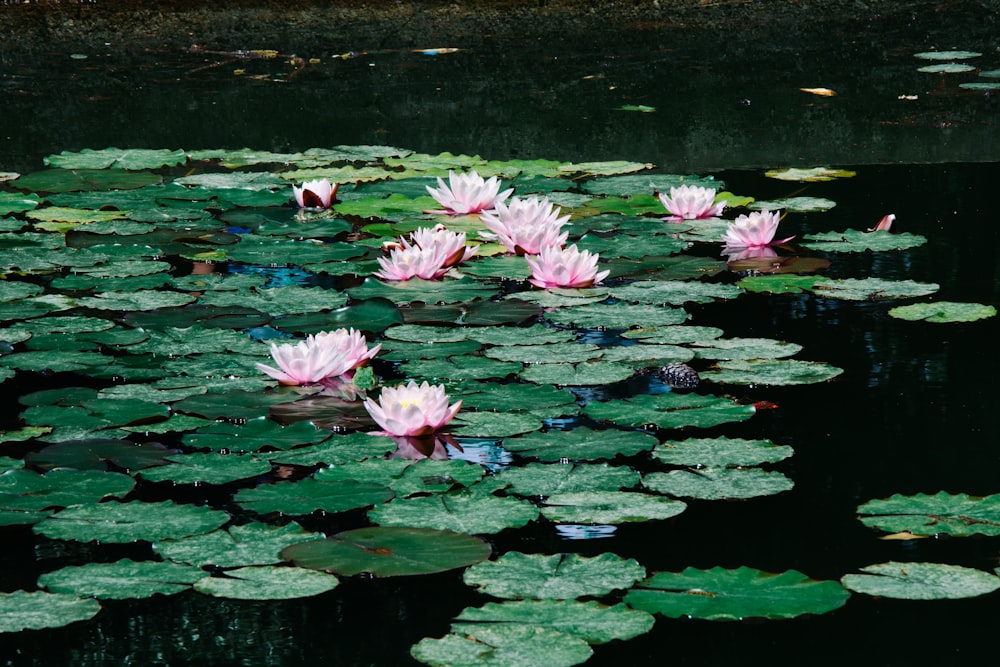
<point>944,311</point>
<point>921,581</point>
<point>519,576</point>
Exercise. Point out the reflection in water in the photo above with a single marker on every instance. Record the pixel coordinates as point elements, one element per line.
<point>276,276</point>
<point>578,532</point>
<point>486,451</point>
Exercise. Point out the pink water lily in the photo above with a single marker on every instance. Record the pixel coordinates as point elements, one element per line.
<point>412,409</point>
<point>450,244</point>
<point>412,261</point>
<point>754,230</point>
<point>329,354</point>
<point>885,223</point>
<point>525,226</point>
<point>564,267</point>
<point>467,194</point>
<point>315,194</point>
<point>691,202</point>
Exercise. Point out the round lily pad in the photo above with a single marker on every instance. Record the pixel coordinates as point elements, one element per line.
<point>721,594</point>
<point>717,483</point>
<point>248,544</point>
<point>308,495</point>
<point>591,621</point>
<point>23,610</point>
<point>609,507</point>
<point>921,581</point>
<point>267,582</point>
<point>540,479</point>
<point>519,576</point>
<point>503,646</point>
<point>721,451</point>
<point>389,551</point>
<point>458,512</point>
<point>580,444</point>
<point>944,311</point>
<point>128,522</point>
<point>123,579</point>
<point>938,514</point>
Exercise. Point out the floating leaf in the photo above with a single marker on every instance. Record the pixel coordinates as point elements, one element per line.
<point>255,434</point>
<point>266,582</point>
<point>591,621</point>
<point>308,495</point>
<point>852,240</point>
<point>795,205</point>
<point>674,292</point>
<point>582,374</point>
<point>717,483</point>
<point>921,581</point>
<point>493,424</point>
<point>23,610</point>
<point>461,513</point>
<point>609,507</point>
<point>407,477</point>
<point>580,444</point>
<point>448,290</point>
<point>550,353</point>
<point>943,311</point>
<point>492,645</point>
<point>518,576</point>
<point>248,544</point>
<point>618,316</point>
<point>389,552</point>
<point>720,594</point>
<point>746,348</point>
<point>132,159</point>
<point>946,68</point>
<point>123,579</point>
<point>208,468</point>
<point>809,175</point>
<point>73,180</point>
<point>721,451</point>
<point>947,55</point>
<point>670,410</point>
<point>939,514</point>
<point>22,489</point>
<point>128,522</point>
<point>872,289</point>
<point>539,479</point>
<point>771,372</point>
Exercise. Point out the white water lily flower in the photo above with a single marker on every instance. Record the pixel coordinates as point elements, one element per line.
<point>564,267</point>
<point>450,244</point>
<point>328,354</point>
<point>525,226</point>
<point>467,194</point>
<point>754,230</point>
<point>691,202</point>
<point>412,409</point>
<point>412,261</point>
<point>315,194</point>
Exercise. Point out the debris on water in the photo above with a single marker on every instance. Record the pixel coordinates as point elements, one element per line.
<point>679,376</point>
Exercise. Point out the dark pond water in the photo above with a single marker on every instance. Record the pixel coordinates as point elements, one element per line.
<point>912,413</point>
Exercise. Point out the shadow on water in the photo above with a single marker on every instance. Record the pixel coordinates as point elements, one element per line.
<point>912,414</point>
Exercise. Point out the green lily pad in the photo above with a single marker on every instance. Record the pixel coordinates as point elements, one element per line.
<point>267,582</point>
<point>22,489</point>
<point>458,369</point>
<point>647,355</point>
<point>238,546</point>
<point>446,290</point>
<point>626,185</point>
<point>75,180</point>
<point>458,512</point>
<point>123,579</point>
<point>540,479</point>
<point>132,159</point>
<point>535,334</point>
<point>580,444</point>
<point>779,284</point>
<point>721,594</point>
<point>938,514</point>
<point>771,372</point>
<point>609,507</point>
<point>674,292</point>
<point>308,495</point>
<point>493,645</point>
<point>946,68</point>
<point>337,450</point>
<point>674,335</point>
<point>947,55</point>
<point>795,205</point>
<point>389,552</point>
<point>406,477</point>
<point>128,522</point>
<point>618,316</point>
<point>582,374</point>
<point>746,348</point>
<point>255,434</point>
<point>717,483</point>
<point>670,410</point>
<point>921,581</point>
<point>943,311</point>
<point>493,424</point>
<point>429,335</point>
<point>591,621</point>
<point>23,610</point>
<point>518,576</point>
<point>207,468</point>
<point>515,397</point>
<point>394,350</point>
<point>286,300</point>
<point>721,451</point>
<point>852,240</point>
<point>13,202</point>
<point>550,353</point>
<point>809,175</point>
<point>872,289</point>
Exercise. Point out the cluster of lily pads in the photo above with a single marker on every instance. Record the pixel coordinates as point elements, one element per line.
<point>159,286</point>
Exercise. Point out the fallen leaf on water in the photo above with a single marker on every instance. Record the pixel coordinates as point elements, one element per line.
<point>825,92</point>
